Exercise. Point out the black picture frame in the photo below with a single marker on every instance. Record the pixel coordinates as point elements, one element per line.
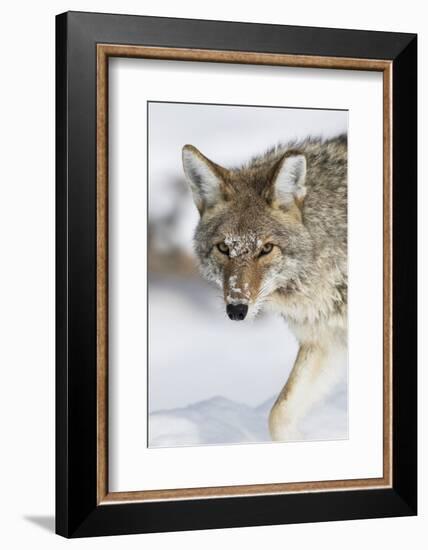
<point>77,511</point>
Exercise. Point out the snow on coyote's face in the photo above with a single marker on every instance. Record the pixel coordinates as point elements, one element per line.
<point>251,239</point>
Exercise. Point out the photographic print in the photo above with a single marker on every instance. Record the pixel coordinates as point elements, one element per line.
<point>247,274</point>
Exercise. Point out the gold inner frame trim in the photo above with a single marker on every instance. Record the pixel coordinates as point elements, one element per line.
<point>104,51</point>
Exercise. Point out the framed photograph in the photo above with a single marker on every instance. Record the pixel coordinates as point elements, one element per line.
<point>236,274</point>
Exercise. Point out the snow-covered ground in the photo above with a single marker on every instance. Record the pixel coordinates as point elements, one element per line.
<point>213,381</point>
<point>221,421</point>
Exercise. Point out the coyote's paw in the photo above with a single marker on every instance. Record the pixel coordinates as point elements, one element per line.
<point>281,428</point>
<point>286,433</point>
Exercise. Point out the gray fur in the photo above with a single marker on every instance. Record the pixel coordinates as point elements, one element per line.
<point>305,277</point>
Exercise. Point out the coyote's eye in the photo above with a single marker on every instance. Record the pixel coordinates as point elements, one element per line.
<point>266,249</point>
<point>224,249</point>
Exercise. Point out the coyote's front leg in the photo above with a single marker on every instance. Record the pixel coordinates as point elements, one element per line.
<point>312,375</point>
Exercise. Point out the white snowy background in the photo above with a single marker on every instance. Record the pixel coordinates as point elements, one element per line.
<point>211,380</point>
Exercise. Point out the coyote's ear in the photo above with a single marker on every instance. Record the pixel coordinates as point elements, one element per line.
<point>206,179</point>
<point>287,184</point>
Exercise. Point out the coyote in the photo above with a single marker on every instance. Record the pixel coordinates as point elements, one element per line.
<point>274,233</point>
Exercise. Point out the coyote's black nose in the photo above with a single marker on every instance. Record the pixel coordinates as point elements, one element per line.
<point>237,312</point>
